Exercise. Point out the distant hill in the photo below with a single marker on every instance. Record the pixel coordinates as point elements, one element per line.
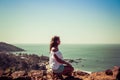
<point>8,47</point>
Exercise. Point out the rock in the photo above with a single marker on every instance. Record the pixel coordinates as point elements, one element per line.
<point>23,78</point>
<point>5,78</point>
<point>35,67</point>
<point>7,72</point>
<point>18,74</point>
<point>80,73</point>
<point>71,61</point>
<point>72,78</point>
<point>1,72</point>
<point>34,73</point>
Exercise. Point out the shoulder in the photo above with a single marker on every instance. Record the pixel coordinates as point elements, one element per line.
<point>53,49</point>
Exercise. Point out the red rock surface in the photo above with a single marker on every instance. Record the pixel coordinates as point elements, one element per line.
<point>48,75</point>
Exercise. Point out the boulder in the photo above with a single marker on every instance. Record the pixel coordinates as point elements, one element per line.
<point>18,74</point>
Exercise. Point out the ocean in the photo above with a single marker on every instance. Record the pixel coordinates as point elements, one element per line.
<point>88,57</point>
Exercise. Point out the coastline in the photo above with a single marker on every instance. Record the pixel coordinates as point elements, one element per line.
<point>94,57</point>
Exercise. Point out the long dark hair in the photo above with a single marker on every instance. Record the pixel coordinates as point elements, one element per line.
<point>53,42</point>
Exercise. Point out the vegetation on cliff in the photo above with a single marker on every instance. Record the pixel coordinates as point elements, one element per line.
<point>8,47</point>
<point>21,61</point>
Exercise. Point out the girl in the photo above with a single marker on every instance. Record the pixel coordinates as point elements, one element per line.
<point>57,64</point>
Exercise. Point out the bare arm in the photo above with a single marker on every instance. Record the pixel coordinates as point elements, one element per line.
<point>60,60</point>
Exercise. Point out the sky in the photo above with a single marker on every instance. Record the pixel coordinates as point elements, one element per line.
<point>75,21</point>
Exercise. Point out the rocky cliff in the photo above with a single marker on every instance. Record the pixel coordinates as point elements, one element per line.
<point>33,67</point>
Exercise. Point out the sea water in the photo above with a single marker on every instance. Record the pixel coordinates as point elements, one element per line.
<point>88,57</point>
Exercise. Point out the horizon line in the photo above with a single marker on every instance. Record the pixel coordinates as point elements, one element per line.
<point>61,43</point>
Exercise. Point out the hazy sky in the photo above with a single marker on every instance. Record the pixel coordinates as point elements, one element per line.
<point>75,21</point>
